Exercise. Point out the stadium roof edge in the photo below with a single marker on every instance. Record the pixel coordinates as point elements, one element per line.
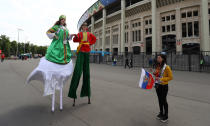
<point>97,6</point>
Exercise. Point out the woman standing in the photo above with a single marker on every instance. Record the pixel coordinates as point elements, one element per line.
<point>56,67</point>
<point>163,75</point>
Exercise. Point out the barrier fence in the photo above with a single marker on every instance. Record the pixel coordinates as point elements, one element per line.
<point>197,62</point>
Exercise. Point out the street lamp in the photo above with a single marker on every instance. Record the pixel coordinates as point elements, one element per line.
<point>25,43</point>
<point>18,40</point>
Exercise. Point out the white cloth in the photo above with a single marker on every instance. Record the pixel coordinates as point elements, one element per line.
<point>53,75</point>
<point>51,35</point>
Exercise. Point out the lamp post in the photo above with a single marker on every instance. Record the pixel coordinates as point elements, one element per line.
<point>18,40</point>
<point>25,44</point>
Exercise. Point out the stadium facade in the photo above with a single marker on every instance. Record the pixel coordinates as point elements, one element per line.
<point>149,25</point>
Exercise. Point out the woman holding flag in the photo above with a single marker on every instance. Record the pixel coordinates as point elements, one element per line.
<point>163,75</point>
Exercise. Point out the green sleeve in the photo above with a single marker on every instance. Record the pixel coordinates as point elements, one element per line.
<point>55,28</point>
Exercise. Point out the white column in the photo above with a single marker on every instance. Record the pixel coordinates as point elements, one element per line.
<point>158,33</point>
<point>205,44</point>
<point>122,25</point>
<point>92,29</point>
<point>129,37</point>
<point>110,46</point>
<point>119,39</point>
<point>142,36</point>
<point>104,30</point>
<point>178,31</point>
<point>154,26</point>
<point>97,41</point>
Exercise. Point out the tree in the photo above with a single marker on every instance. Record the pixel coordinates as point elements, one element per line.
<point>5,45</point>
<point>42,50</point>
<point>13,48</point>
<point>10,48</point>
<point>33,49</point>
<point>27,47</point>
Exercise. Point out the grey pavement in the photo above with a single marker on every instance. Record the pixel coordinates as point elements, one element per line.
<point>116,99</point>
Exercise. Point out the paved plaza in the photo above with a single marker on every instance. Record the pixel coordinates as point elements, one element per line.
<point>116,99</point>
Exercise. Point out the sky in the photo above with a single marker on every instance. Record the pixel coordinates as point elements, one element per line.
<point>35,17</point>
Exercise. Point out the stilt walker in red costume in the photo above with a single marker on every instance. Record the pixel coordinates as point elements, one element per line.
<point>85,39</point>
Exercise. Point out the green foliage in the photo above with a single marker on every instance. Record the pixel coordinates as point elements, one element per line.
<point>10,47</point>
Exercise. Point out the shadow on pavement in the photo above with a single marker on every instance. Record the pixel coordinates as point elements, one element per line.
<point>37,115</point>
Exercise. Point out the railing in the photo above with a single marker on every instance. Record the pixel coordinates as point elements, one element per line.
<point>197,62</point>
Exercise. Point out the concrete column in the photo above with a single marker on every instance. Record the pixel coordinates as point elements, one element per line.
<point>122,25</point>
<point>154,26</point>
<point>158,33</point>
<point>103,30</point>
<point>178,31</point>
<point>92,29</point>
<point>95,45</point>
<point>142,35</point>
<point>130,37</point>
<point>92,26</point>
<point>119,39</point>
<point>205,44</point>
<point>98,40</point>
<point>110,46</point>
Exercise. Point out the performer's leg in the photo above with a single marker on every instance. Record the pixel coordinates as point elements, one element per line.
<point>74,102</point>
<point>76,76</point>
<point>53,102</point>
<point>89,100</point>
<point>61,99</point>
<point>86,78</point>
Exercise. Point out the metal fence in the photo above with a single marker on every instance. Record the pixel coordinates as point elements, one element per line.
<point>197,62</point>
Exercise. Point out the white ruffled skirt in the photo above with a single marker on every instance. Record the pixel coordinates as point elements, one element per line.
<point>53,75</point>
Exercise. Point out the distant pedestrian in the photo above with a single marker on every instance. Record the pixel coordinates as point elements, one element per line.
<point>22,57</point>
<point>131,63</point>
<point>114,62</point>
<point>154,62</point>
<point>201,63</point>
<point>127,63</point>
<point>150,62</point>
<point>2,57</point>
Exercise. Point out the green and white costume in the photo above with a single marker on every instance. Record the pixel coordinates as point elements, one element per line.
<point>59,50</point>
<point>56,67</point>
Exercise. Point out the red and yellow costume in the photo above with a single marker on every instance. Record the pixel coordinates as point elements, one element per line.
<point>85,39</point>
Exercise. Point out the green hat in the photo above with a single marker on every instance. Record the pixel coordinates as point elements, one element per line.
<point>62,17</point>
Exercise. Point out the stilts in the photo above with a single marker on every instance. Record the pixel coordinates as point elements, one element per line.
<point>61,99</point>
<point>89,100</point>
<point>53,103</point>
<point>74,102</point>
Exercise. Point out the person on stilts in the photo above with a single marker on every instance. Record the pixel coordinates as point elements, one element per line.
<point>56,67</point>
<point>85,39</point>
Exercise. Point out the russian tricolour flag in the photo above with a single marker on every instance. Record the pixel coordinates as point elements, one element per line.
<point>146,80</point>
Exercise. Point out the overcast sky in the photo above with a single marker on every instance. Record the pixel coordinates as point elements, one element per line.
<point>35,17</point>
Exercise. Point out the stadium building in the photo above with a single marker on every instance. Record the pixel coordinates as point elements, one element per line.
<point>149,25</point>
